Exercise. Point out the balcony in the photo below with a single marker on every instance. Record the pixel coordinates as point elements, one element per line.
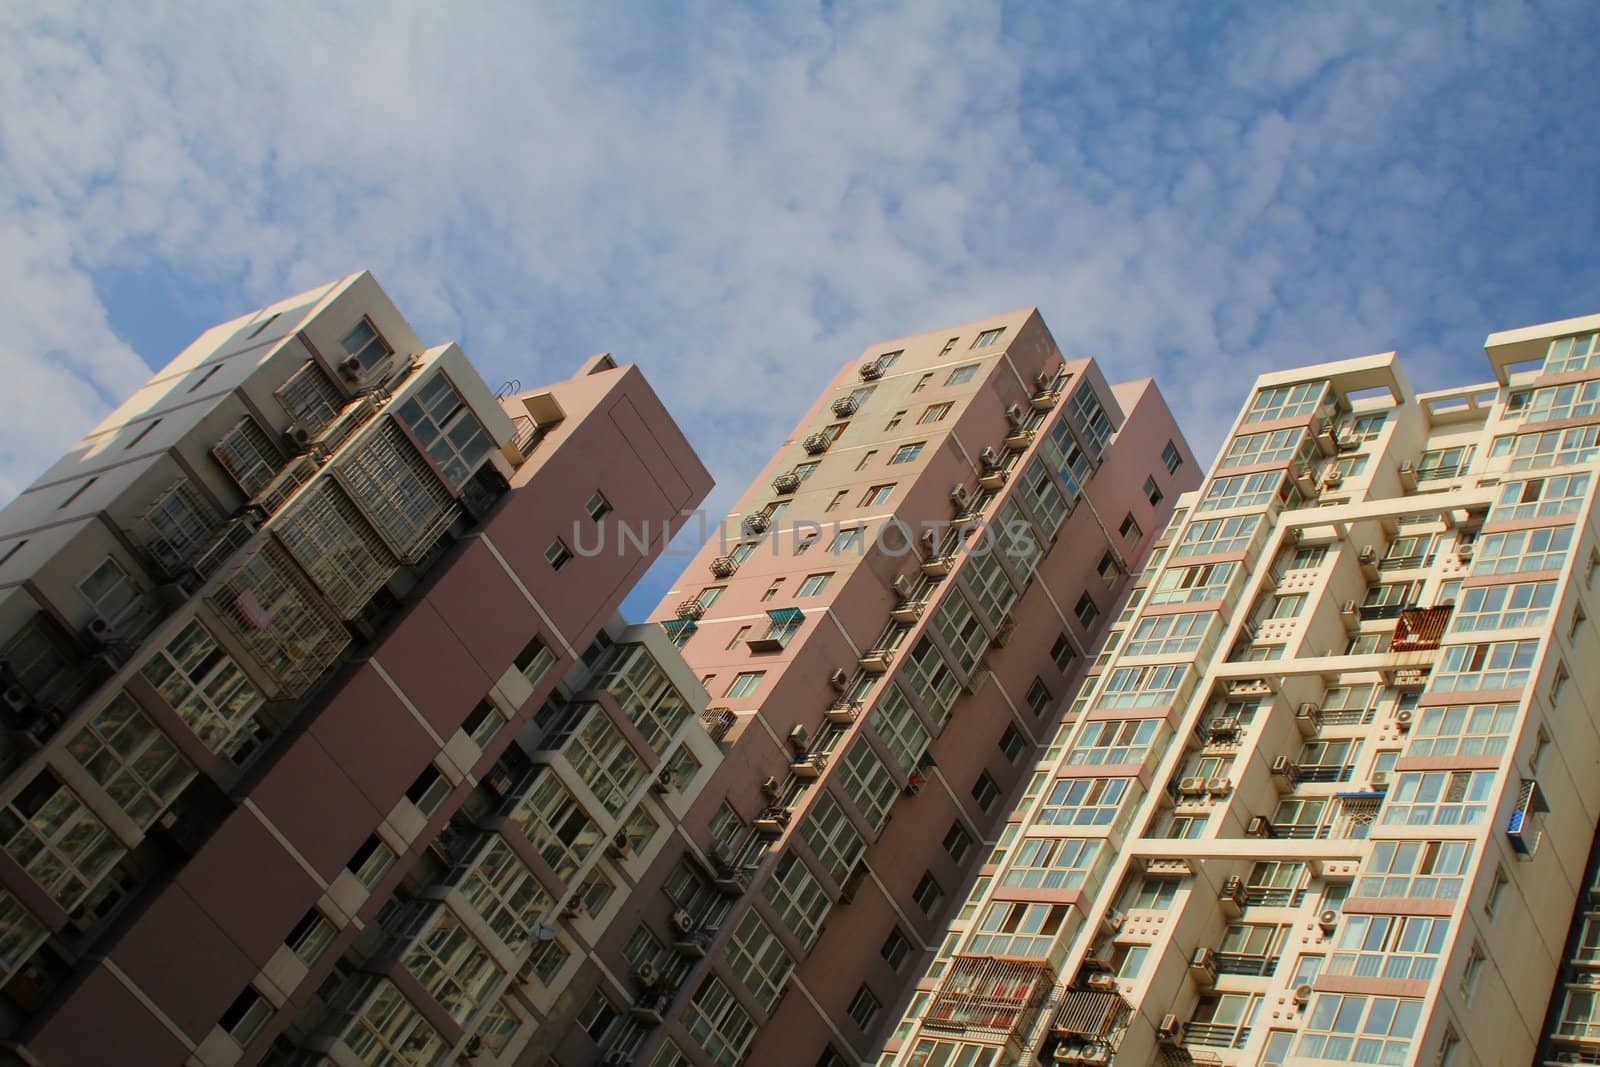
<point>989,997</point>
<point>843,711</point>
<point>816,444</point>
<point>1317,772</point>
<point>786,483</point>
<point>1420,629</point>
<point>717,722</point>
<point>723,567</point>
<point>809,767</point>
<point>877,661</point>
<point>845,406</point>
<point>691,609</point>
<point>1246,964</point>
<point>782,625</point>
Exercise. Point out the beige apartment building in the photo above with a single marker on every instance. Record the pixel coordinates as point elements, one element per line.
<point>1330,792</point>
<point>889,626</point>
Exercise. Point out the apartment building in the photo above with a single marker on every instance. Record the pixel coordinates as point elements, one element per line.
<point>889,626</point>
<point>1329,793</point>
<point>322,743</point>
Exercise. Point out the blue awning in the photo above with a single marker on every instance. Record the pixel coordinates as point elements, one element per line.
<point>786,615</point>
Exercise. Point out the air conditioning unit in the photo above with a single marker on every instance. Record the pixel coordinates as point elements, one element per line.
<point>352,369</point>
<point>960,495</point>
<point>771,787</point>
<point>1016,416</point>
<point>839,680</point>
<point>1308,717</point>
<point>1258,826</point>
<point>1368,557</point>
<point>1170,1032</point>
<point>16,699</point>
<point>100,630</point>
<point>1203,965</point>
<point>574,909</point>
<point>1101,982</point>
<point>1218,787</point>
<point>989,457</point>
<point>1223,726</point>
<point>1113,920</point>
<point>616,1058</point>
<point>647,974</point>
<point>1232,896</point>
<point>1042,380</point>
<point>1350,611</point>
<point>1333,477</point>
<point>1284,767</point>
<point>299,438</point>
<point>1328,920</point>
<point>666,781</point>
<point>901,586</point>
<point>1408,475</point>
<point>1302,994</point>
<point>1192,786</point>
<point>799,737</point>
<point>683,922</point>
<point>1464,551</point>
<point>621,847</point>
<point>1380,781</point>
<point>1402,720</point>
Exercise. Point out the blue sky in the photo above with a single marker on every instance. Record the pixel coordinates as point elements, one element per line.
<point>740,199</point>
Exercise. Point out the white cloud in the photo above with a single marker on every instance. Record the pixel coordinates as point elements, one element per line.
<point>740,201</point>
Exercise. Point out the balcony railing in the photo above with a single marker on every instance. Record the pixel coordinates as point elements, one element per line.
<point>787,482</point>
<point>1313,772</point>
<point>845,406</point>
<point>718,721</point>
<point>1271,897</point>
<point>1245,964</point>
<point>1216,1035</point>
<point>816,444</point>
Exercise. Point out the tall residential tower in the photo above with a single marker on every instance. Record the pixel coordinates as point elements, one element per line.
<point>889,627</point>
<point>1329,795</point>
<point>274,637</point>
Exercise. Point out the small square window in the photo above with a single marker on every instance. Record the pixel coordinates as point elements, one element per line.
<point>1062,653</point>
<point>558,555</point>
<point>1087,611</point>
<point>483,723</point>
<point>429,790</point>
<point>1011,744</point>
<point>957,841</point>
<point>927,894</point>
<point>1172,458</point>
<point>849,540</point>
<point>745,683</point>
<point>934,413</point>
<point>371,861</point>
<point>1038,696</point>
<point>906,453</point>
<point>922,383</point>
<point>949,346</point>
<point>896,947</point>
<point>313,933</point>
<point>534,661</point>
<point>838,498</point>
<point>866,458</point>
<point>772,590</point>
<point>889,359</point>
<point>1107,567</point>
<point>597,506</point>
<point>1130,529</point>
<point>245,1016</point>
<point>985,791</point>
<point>738,638</point>
<point>989,338</point>
<point>1497,888</point>
<point>962,375</point>
<point>1152,491</point>
<point>864,1008</point>
<point>877,494</point>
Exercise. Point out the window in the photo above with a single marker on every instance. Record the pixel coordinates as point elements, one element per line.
<point>745,683</point>
<point>868,782</point>
<point>1038,698</point>
<point>1083,801</point>
<point>894,420</point>
<point>1011,744</point>
<point>1152,491</point>
<point>1114,741</point>
<point>1154,894</point>
<point>599,507</point>
<point>131,760</point>
<point>1444,462</point>
<point>866,458</point>
<point>1013,929</point>
<point>1172,458</point>
<point>52,834</point>
<point>1462,730</point>
<point>802,471</point>
<point>206,688</point>
<point>365,345</point>
<point>863,1008</point>
<point>922,383</point>
<point>1144,687</point>
<point>877,494</point>
<point>1168,635</point>
<point>1439,798</point>
<point>1539,498</point>
<point>1062,653</point>
<point>1243,491</point>
<point>1284,402</point>
<point>1257,449</point>
<point>558,555</point>
<point>1474,969</point>
<point>934,413</point>
<point>899,728</point>
<point>957,841</point>
<point>1086,611</point>
<point>927,894</point>
<point>1345,1028</point>
<point>896,947</point>
<point>1522,550</point>
<point>1130,529</point>
<point>244,1018</point>
<point>1497,607</point>
<point>797,898</point>
<point>1580,1015</point>
<point>771,590</point>
<point>889,359</point>
<point>989,338</point>
<point>758,960</point>
<point>1497,889</point>
<point>1053,863</point>
<point>446,429</point>
<point>76,493</point>
<point>1575,400</point>
<point>1128,960</point>
<point>738,638</point>
<point>1500,665</point>
<point>1391,946</point>
<point>832,838</point>
<point>429,790</point>
<point>906,453</point>
<point>559,827</point>
<point>313,933</point>
<point>850,540</point>
<point>1209,537</point>
<point>310,399</point>
<point>1222,1020</point>
<point>534,661</point>
<point>838,498</point>
<point>1572,353</point>
<point>371,861</point>
<point>246,453</point>
<point>985,791</point>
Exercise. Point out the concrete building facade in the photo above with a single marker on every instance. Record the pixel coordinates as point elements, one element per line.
<point>889,626</point>
<point>1329,792</point>
<point>322,741</point>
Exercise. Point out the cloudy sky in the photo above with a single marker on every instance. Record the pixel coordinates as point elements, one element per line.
<point>740,200</point>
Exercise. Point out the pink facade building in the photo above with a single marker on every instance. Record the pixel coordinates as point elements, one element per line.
<point>322,741</point>
<point>889,628</point>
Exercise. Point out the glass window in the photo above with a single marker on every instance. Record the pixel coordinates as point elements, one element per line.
<point>446,428</point>
<point>206,688</point>
<point>757,958</point>
<point>906,453</point>
<point>65,848</point>
<point>1083,802</point>
<point>131,760</point>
